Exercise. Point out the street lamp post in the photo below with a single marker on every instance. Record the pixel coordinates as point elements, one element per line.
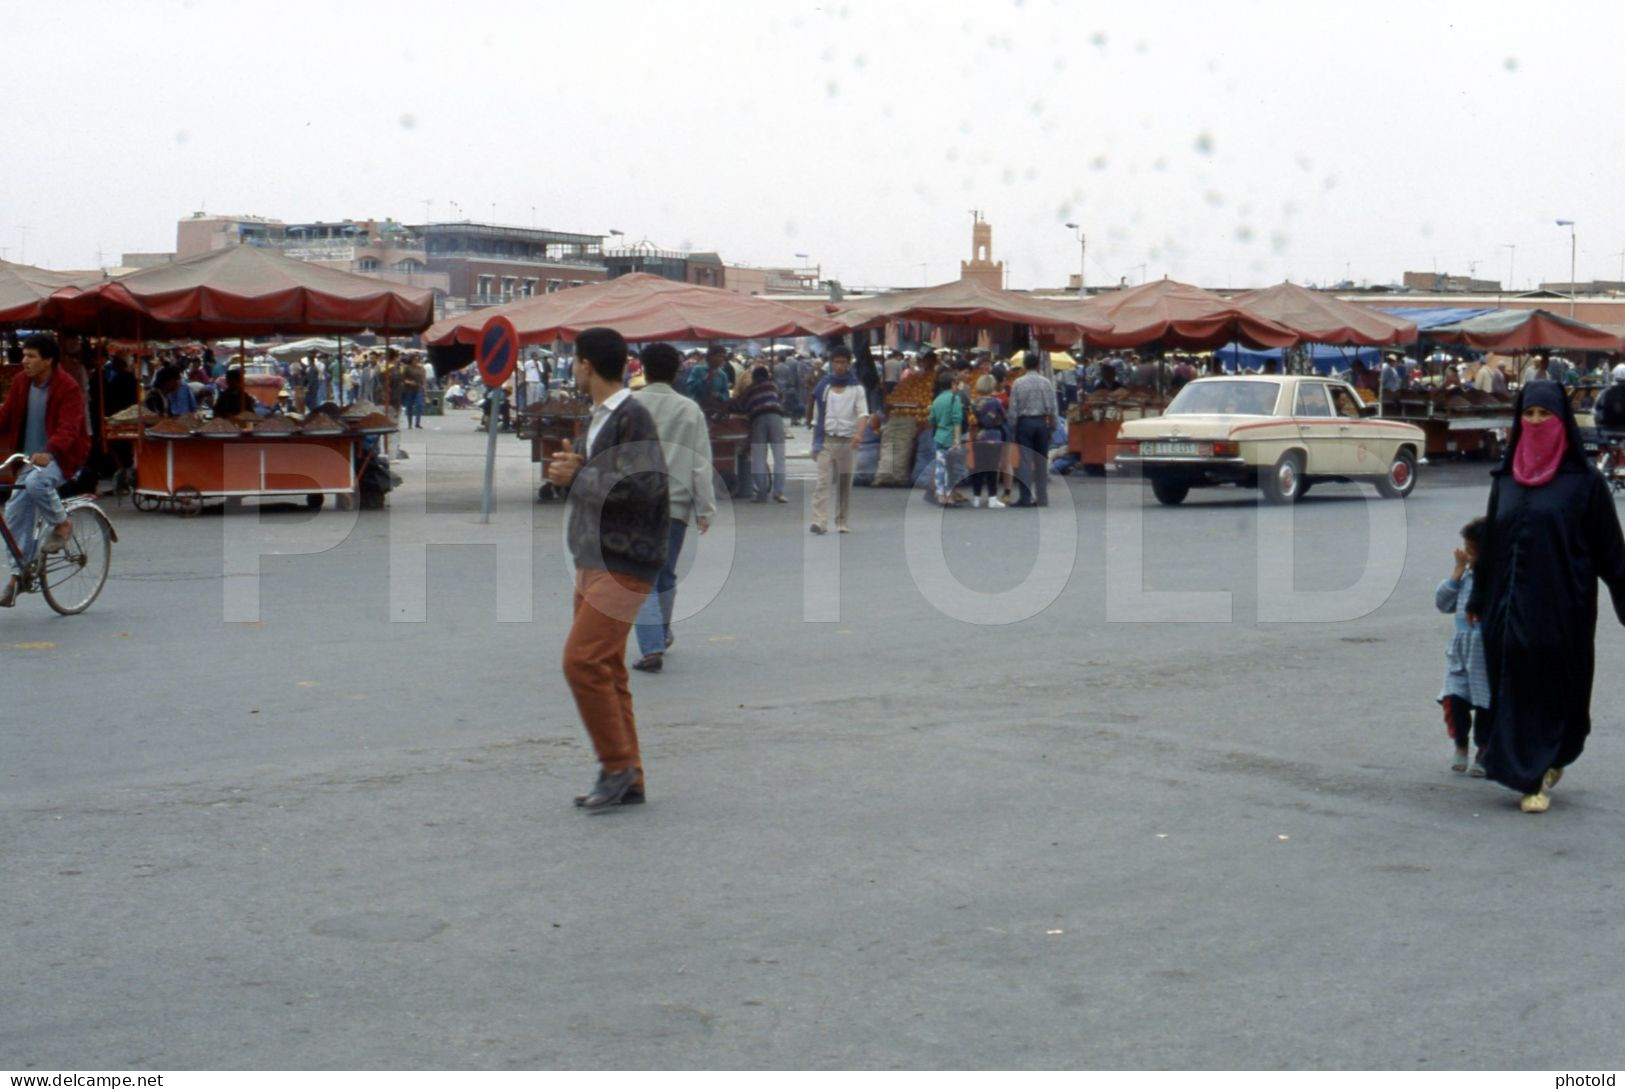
<point>1083,250</point>
<point>1512,265</point>
<point>1569,223</point>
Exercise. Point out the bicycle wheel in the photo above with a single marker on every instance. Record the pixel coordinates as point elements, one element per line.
<point>73,577</point>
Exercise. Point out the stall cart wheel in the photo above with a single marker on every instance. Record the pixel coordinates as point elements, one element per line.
<point>188,501</point>
<point>144,502</point>
<point>315,500</point>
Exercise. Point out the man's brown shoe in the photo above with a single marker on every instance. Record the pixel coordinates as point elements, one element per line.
<point>610,790</point>
<point>634,796</point>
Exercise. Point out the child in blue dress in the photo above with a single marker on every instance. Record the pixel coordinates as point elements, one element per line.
<point>1466,693</point>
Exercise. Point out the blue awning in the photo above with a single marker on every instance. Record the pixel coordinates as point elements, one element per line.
<point>1426,317</point>
<point>1325,358</point>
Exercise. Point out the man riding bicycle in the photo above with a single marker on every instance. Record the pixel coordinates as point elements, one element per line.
<point>44,417</point>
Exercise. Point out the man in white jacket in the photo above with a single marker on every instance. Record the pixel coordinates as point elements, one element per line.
<point>685,440</point>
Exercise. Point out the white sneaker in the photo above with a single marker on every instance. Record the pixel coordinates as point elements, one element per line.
<point>976,501</point>
<point>994,504</point>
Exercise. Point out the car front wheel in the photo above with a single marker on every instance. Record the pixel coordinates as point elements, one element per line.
<point>1401,478</point>
<point>1284,483</point>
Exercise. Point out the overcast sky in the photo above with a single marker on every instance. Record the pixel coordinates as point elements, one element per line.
<point>1227,144</point>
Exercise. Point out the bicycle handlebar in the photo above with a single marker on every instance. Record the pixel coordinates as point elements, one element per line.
<point>13,459</point>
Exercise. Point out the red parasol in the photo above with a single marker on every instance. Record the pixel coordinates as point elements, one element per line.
<point>640,307</point>
<point>1176,315</point>
<point>1523,331</point>
<point>239,292</point>
<point>25,292</point>
<point>970,303</point>
<point>1325,319</point>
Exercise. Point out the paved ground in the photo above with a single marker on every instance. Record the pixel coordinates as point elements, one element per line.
<point>890,838</point>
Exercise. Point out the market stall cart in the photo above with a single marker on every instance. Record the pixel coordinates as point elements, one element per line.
<point>730,450</point>
<point>547,425</point>
<point>183,462</point>
<point>1093,423</point>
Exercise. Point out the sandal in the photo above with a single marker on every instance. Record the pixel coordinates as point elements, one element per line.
<point>57,540</point>
<point>1549,780</point>
<point>1535,803</point>
<point>1458,763</point>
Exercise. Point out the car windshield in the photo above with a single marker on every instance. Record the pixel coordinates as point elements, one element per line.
<point>1224,398</point>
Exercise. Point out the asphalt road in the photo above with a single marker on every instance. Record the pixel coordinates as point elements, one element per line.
<point>885,829</point>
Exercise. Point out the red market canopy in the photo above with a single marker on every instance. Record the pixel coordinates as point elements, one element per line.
<point>971,303</point>
<point>1324,319</point>
<point>1177,315</point>
<point>641,308</point>
<point>25,292</point>
<point>1523,331</point>
<point>240,292</point>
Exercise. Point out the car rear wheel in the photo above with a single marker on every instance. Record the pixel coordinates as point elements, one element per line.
<point>1284,483</point>
<point>1401,478</point>
<point>1170,493</point>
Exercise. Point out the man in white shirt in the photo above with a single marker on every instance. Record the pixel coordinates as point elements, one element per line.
<point>1490,378</point>
<point>535,386</point>
<point>893,370</point>
<point>1391,378</point>
<point>841,408</point>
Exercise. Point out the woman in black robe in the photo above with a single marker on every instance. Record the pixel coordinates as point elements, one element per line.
<point>1552,533</point>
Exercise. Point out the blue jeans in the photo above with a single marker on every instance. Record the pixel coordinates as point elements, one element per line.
<point>767,437</point>
<point>653,625</point>
<point>412,405</point>
<point>35,494</point>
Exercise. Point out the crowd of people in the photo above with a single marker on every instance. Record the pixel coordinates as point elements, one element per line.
<point>1523,586</point>
<point>1516,696</point>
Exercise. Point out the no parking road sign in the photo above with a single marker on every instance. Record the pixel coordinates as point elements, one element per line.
<point>494,357</point>
<point>497,352</point>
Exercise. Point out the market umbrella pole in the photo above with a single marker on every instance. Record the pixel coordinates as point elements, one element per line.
<point>101,399</point>
<point>387,397</point>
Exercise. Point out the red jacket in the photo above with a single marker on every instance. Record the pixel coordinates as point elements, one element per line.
<point>66,436</point>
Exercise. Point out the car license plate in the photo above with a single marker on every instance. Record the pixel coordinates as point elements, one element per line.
<point>1172,448</point>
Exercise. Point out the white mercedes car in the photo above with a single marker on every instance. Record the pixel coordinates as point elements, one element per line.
<point>1282,433</point>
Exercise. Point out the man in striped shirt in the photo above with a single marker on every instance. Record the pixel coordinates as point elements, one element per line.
<point>1033,408</point>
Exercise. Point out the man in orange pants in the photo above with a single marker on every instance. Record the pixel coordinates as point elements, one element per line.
<point>617,532</point>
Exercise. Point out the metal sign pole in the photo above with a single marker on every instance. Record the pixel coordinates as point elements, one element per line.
<point>493,424</point>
